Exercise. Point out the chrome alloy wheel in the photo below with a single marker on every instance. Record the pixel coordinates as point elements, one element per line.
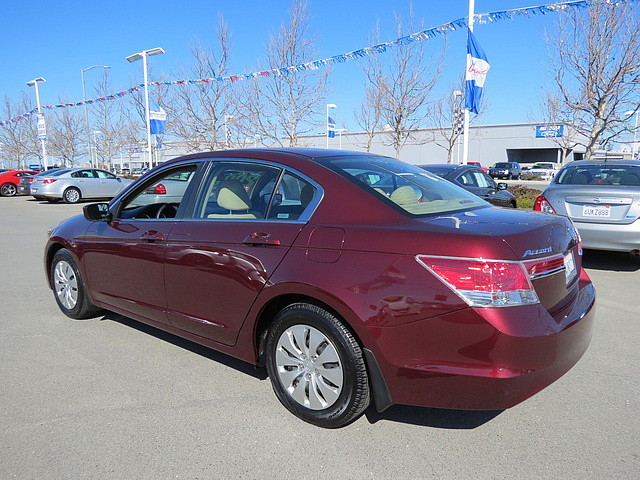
<point>309,367</point>
<point>65,284</point>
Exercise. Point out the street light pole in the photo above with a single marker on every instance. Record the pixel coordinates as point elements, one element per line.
<point>34,83</point>
<point>86,110</point>
<point>465,140</point>
<point>634,149</point>
<point>329,105</point>
<point>132,58</point>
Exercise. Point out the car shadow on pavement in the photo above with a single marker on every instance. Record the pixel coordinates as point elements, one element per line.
<point>433,417</point>
<point>227,360</point>
<point>614,261</point>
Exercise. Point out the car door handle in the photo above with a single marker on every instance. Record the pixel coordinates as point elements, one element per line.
<point>152,236</point>
<point>261,238</point>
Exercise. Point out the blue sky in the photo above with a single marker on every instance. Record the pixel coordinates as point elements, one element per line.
<point>56,39</point>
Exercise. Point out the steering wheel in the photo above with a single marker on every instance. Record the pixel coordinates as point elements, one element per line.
<point>167,210</point>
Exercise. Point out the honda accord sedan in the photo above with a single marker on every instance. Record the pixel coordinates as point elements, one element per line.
<point>602,197</point>
<point>353,278</point>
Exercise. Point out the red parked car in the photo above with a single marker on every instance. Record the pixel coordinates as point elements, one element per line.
<point>352,277</point>
<point>9,181</point>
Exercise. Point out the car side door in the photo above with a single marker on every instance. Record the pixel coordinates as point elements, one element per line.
<point>124,257</point>
<point>245,220</point>
<point>108,185</point>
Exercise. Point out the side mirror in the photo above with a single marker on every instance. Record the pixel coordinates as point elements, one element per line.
<point>502,186</point>
<point>97,212</point>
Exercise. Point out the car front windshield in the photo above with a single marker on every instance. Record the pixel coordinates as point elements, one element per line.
<point>501,165</point>
<point>404,186</point>
<point>600,174</point>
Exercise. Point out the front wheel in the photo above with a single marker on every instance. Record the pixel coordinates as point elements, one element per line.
<point>71,195</point>
<point>68,287</point>
<point>8,190</point>
<point>316,366</point>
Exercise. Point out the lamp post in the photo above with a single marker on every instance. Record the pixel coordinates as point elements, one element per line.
<point>42,131</point>
<point>457,113</point>
<point>329,105</point>
<point>465,140</point>
<point>95,146</point>
<point>135,57</point>
<point>84,101</point>
<point>227,137</point>
<point>635,132</point>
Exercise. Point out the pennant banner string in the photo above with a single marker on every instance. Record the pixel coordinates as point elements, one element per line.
<point>481,18</point>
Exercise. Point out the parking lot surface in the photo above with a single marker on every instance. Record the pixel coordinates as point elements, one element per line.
<point>110,398</point>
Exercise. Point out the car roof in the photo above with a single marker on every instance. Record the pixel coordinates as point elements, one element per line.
<point>447,166</point>
<point>313,154</point>
<point>602,161</point>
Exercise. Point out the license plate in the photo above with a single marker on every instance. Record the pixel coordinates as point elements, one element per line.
<point>570,267</point>
<point>602,211</point>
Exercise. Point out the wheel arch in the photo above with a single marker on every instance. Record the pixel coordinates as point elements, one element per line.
<point>378,387</point>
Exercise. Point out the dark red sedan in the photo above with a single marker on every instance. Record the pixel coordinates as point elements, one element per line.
<point>352,277</point>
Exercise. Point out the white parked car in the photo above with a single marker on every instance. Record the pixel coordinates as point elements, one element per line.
<point>78,184</point>
<point>545,170</point>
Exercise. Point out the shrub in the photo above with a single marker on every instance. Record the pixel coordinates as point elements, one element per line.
<point>525,197</point>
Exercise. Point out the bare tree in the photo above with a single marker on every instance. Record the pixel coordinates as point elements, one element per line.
<point>202,113</point>
<point>65,134</point>
<point>19,139</point>
<point>282,107</point>
<point>404,80</point>
<point>595,61</point>
<point>109,125</point>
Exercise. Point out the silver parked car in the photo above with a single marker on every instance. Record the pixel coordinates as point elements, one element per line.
<point>76,184</point>
<point>603,200</point>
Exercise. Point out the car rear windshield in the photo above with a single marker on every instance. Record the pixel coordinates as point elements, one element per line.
<point>54,173</point>
<point>604,174</point>
<point>404,186</point>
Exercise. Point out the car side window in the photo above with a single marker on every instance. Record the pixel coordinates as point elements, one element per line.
<point>161,195</point>
<point>238,190</point>
<point>103,174</point>
<point>292,197</point>
<point>83,174</point>
<point>468,179</point>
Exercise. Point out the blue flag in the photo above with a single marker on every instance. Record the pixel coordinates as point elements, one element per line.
<point>157,118</point>
<point>331,124</point>
<point>477,68</point>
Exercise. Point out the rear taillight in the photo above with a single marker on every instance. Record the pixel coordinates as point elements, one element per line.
<point>543,205</point>
<point>483,283</point>
<point>49,180</point>
<point>545,266</point>
<point>159,189</point>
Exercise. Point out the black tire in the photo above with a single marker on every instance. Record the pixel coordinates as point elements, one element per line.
<point>8,189</point>
<point>68,287</point>
<point>349,398</point>
<point>71,195</point>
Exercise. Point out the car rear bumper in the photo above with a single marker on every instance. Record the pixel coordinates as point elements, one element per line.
<point>610,236</point>
<point>474,359</point>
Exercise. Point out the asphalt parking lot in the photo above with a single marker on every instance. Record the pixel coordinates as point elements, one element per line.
<point>109,398</point>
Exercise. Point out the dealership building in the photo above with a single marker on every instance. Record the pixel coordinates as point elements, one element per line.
<point>526,143</point>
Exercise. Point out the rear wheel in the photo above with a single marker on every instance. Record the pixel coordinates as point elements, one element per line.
<point>8,190</point>
<point>71,195</point>
<point>316,366</point>
<point>68,287</point>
